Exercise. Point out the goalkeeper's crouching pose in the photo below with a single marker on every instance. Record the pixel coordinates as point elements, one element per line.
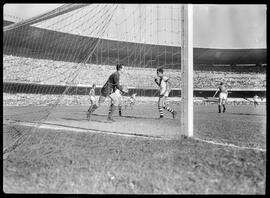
<point>111,89</point>
<point>165,88</point>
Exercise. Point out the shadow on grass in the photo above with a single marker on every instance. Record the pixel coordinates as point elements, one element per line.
<point>248,114</point>
<point>128,116</point>
<point>84,119</point>
<point>104,131</point>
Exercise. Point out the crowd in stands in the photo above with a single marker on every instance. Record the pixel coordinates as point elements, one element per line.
<point>29,70</point>
<point>21,99</point>
<point>240,69</point>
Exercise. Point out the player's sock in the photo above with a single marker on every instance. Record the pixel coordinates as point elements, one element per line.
<point>168,109</point>
<point>93,108</point>
<point>224,109</point>
<point>90,108</point>
<point>120,110</point>
<point>111,111</point>
<point>219,108</point>
<point>161,113</point>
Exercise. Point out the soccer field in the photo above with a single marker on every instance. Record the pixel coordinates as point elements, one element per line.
<point>241,125</point>
<point>68,160</point>
<point>55,61</point>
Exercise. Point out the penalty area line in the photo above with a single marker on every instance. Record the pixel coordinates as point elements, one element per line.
<point>229,145</point>
<point>84,130</point>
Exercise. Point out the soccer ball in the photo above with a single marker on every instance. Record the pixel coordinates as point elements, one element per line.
<point>125,89</point>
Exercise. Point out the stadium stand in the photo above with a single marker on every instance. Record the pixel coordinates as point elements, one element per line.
<point>52,72</point>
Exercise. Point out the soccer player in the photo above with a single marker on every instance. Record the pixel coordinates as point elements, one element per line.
<point>92,99</point>
<point>255,100</point>
<point>222,97</point>
<point>165,88</point>
<point>112,89</point>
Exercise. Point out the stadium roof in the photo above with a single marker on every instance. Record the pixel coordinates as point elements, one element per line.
<point>215,26</point>
<point>65,40</point>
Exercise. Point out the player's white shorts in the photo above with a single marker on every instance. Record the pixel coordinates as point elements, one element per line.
<point>223,96</point>
<point>162,101</point>
<point>93,99</point>
<point>116,97</point>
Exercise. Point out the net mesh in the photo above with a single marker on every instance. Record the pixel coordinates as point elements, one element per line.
<point>52,60</point>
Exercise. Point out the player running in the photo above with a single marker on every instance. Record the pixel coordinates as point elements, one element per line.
<point>222,97</point>
<point>165,88</point>
<point>111,89</point>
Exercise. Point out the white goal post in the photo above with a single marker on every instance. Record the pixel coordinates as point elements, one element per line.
<point>187,70</point>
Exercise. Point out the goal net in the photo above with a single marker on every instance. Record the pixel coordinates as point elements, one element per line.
<point>51,61</point>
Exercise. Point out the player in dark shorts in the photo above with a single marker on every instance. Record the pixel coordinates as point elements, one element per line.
<point>111,89</point>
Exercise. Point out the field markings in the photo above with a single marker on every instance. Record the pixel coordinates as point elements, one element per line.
<point>229,145</point>
<point>53,126</point>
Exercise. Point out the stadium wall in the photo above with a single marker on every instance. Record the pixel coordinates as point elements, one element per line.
<point>14,87</point>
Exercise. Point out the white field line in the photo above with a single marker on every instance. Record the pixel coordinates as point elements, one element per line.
<point>229,145</point>
<point>67,128</point>
<point>83,130</point>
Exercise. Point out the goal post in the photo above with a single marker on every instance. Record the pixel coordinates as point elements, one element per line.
<point>187,69</point>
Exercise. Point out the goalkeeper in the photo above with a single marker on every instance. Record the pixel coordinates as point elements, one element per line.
<point>111,89</point>
<point>165,88</point>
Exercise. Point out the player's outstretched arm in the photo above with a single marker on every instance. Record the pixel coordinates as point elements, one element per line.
<point>156,81</point>
<point>215,93</point>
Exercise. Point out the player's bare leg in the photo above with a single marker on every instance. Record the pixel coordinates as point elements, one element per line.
<point>160,107</point>
<point>95,107</point>
<point>223,104</point>
<point>115,102</point>
<point>89,109</point>
<point>111,111</point>
<point>120,110</point>
<point>132,104</point>
<point>219,106</point>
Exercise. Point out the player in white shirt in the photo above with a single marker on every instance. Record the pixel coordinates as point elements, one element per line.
<point>92,96</point>
<point>223,94</point>
<point>165,88</point>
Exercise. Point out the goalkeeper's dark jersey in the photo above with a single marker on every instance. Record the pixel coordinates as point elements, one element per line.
<point>111,85</point>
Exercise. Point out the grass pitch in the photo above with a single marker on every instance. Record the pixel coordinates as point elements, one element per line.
<point>57,161</point>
